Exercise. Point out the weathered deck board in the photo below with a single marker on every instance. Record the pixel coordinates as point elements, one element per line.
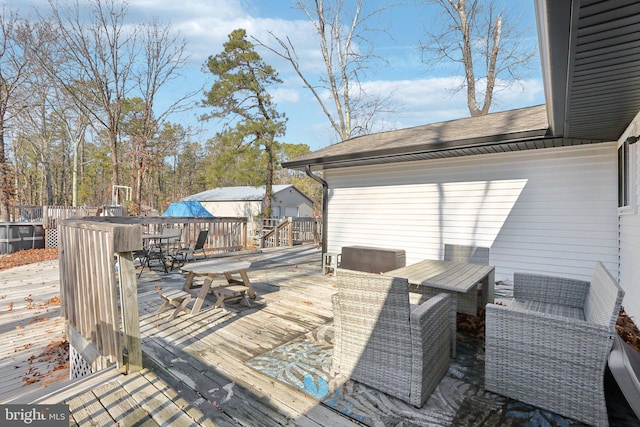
<point>86,409</point>
<point>122,407</point>
<point>194,364</point>
<point>221,391</point>
<point>180,392</point>
<point>29,322</point>
<point>160,408</point>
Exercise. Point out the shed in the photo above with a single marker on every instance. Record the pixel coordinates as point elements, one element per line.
<point>248,201</point>
<point>549,189</point>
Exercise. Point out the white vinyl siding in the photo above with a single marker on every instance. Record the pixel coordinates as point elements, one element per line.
<point>551,211</point>
<point>630,265</point>
<point>630,234</point>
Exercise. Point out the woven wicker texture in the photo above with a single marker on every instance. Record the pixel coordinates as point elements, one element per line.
<point>549,358</point>
<point>381,342</point>
<point>468,254</point>
<point>468,302</point>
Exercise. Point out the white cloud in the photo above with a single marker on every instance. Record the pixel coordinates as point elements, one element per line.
<point>431,100</point>
<point>281,95</point>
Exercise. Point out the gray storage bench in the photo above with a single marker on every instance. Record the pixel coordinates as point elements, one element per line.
<point>372,259</point>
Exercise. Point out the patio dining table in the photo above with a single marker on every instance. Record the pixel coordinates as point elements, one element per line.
<point>430,277</point>
<point>156,245</point>
<point>457,278</point>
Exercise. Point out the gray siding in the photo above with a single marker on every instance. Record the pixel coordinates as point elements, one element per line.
<point>551,211</point>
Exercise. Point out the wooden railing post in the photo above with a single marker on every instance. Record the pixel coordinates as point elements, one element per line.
<point>130,316</point>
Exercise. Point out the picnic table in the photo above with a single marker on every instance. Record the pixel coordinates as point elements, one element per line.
<point>233,290</point>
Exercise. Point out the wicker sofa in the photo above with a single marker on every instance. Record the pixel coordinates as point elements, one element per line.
<point>549,346</point>
<point>384,342</point>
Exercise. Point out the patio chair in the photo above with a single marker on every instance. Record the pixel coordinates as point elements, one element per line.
<point>548,347</point>
<point>468,254</point>
<point>384,342</point>
<point>182,255</point>
<point>469,302</point>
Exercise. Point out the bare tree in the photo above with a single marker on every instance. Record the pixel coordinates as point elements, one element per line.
<point>75,120</point>
<point>479,35</point>
<point>163,55</point>
<point>14,71</point>
<point>102,50</point>
<point>347,51</point>
<point>35,121</point>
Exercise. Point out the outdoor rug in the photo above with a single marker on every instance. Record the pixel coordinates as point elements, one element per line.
<point>459,400</point>
<point>303,363</point>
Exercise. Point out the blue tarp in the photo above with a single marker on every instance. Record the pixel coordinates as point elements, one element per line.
<point>186,208</point>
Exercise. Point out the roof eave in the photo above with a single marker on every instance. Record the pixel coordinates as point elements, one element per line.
<point>416,149</point>
<point>475,148</point>
<point>554,35</point>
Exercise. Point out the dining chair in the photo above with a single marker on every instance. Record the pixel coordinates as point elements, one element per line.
<point>382,341</point>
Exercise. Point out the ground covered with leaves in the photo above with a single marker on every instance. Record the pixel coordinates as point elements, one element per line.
<point>30,256</point>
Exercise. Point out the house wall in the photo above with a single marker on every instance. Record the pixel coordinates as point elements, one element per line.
<point>551,211</point>
<point>234,208</point>
<point>630,236</point>
<point>292,198</point>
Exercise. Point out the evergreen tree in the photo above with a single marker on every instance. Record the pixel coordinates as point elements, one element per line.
<point>240,97</point>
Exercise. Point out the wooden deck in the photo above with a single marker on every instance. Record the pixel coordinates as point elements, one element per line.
<point>30,324</point>
<point>194,365</point>
<point>207,352</point>
<point>195,370</point>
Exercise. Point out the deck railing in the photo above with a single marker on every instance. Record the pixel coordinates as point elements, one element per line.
<point>100,311</point>
<point>52,214</point>
<point>99,302</point>
<point>293,231</point>
<point>226,234</point>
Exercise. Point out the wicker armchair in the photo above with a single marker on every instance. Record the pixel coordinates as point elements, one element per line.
<point>384,342</point>
<point>549,346</point>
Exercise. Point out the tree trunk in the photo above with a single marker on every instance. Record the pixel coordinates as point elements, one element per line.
<point>115,171</point>
<point>268,189</point>
<point>5,184</point>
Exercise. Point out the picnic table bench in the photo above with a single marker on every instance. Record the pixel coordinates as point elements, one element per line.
<point>234,289</point>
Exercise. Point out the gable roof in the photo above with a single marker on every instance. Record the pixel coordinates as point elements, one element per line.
<point>514,130</point>
<point>590,56</point>
<point>240,193</point>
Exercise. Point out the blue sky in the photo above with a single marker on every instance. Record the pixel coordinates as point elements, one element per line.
<point>423,95</point>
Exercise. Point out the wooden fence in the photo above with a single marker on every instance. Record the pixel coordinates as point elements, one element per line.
<point>52,214</point>
<point>226,234</point>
